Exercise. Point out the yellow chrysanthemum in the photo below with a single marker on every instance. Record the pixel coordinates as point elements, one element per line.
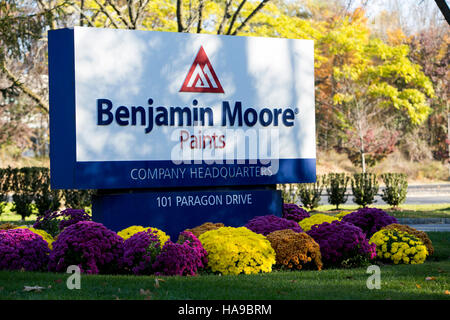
<point>318,218</point>
<point>399,246</point>
<point>132,230</point>
<point>237,250</point>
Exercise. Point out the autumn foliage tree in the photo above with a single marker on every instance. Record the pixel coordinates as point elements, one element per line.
<point>371,88</point>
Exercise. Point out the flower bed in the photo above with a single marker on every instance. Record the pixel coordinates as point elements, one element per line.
<point>264,242</point>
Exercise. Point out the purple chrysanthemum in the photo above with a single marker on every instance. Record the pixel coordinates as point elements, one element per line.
<point>270,223</point>
<point>181,258</point>
<point>55,222</point>
<point>90,245</point>
<point>291,211</point>
<point>370,220</point>
<point>140,251</point>
<point>22,249</point>
<point>193,242</point>
<point>341,241</point>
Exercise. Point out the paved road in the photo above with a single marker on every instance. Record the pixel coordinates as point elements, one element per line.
<point>417,194</point>
<point>431,227</point>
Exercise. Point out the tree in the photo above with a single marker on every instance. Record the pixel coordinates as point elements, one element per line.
<point>375,83</point>
<point>23,46</point>
<point>430,49</point>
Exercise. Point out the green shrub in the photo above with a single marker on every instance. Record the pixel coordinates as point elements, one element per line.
<point>337,187</point>
<point>45,199</point>
<point>310,193</point>
<point>23,182</point>
<point>77,199</point>
<point>396,186</point>
<point>364,188</point>
<point>4,185</point>
<point>289,192</point>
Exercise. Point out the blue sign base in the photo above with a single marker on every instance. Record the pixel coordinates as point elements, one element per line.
<point>175,211</point>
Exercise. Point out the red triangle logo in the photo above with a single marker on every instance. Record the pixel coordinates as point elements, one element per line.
<point>201,76</point>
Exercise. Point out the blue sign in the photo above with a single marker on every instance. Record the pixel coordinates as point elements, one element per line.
<point>141,109</point>
<point>174,212</point>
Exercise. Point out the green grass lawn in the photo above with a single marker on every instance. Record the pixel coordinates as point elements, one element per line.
<point>397,282</point>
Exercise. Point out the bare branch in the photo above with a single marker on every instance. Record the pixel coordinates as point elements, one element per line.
<point>243,24</point>
<point>140,10</point>
<point>225,17</point>
<point>130,4</point>
<point>42,105</point>
<point>120,15</point>
<point>105,11</point>
<point>235,15</point>
<point>200,14</point>
<point>86,18</point>
<point>180,16</point>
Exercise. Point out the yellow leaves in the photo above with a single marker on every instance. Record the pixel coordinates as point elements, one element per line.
<point>396,36</point>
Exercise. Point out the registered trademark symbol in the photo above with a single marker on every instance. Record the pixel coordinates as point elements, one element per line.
<point>296,111</point>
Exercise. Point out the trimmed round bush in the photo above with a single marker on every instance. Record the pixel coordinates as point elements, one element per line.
<point>54,222</point>
<point>295,250</point>
<point>417,233</point>
<point>197,231</point>
<point>22,249</point>
<point>342,244</point>
<point>370,220</point>
<point>399,247</point>
<point>237,250</point>
<point>90,245</point>
<point>140,251</point>
<point>270,223</point>
<point>291,211</point>
<point>132,230</point>
<point>315,219</point>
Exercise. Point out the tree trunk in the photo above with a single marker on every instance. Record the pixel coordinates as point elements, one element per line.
<point>363,158</point>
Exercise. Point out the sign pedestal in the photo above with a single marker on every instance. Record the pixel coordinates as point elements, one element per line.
<point>176,210</point>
